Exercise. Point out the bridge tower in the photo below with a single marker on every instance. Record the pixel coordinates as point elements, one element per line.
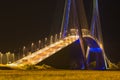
<point>95,54</point>
<point>96,58</point>
<point>71,10</point>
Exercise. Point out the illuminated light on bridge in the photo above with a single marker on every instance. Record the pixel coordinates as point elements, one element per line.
<point>65,20</point>
<point>98,50</point>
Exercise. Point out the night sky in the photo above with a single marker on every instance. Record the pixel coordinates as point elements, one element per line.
<point>25,21</point>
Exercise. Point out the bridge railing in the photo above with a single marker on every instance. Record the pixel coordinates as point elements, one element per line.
<point>33,47</point>
<point>40,44</point>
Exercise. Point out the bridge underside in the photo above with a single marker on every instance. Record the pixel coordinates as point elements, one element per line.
<point>95,55</point>
<point>95,59</point>
<point>70,57</point>
<point>91,42</point>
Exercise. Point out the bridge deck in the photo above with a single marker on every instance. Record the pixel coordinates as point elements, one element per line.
<point>42,54</point>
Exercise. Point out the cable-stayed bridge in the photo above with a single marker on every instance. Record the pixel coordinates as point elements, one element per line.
<point>88,35</point>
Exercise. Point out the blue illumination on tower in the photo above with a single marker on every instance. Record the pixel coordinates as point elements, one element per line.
<point>95,50</point>
<point>66,19</point>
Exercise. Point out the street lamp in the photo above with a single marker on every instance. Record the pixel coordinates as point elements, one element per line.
<point>51,39</point>
<point>32,47</point>
<point>1,56</point>
<point>7,55</point>
<point>60,36</point>
<point>55,37</point>
<point>13,57</point>
<point>24,50</point>
<point>39,44</point>
<point>45,42</point>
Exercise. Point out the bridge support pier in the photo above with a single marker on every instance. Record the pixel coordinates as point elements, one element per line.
<point>95,59</point>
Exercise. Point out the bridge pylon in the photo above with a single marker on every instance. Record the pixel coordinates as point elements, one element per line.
<point>96,58</point>
<point>72,19</point>
<point>95,54</point>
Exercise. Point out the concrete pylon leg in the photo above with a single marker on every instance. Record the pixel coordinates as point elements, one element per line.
<point>95,59</point>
